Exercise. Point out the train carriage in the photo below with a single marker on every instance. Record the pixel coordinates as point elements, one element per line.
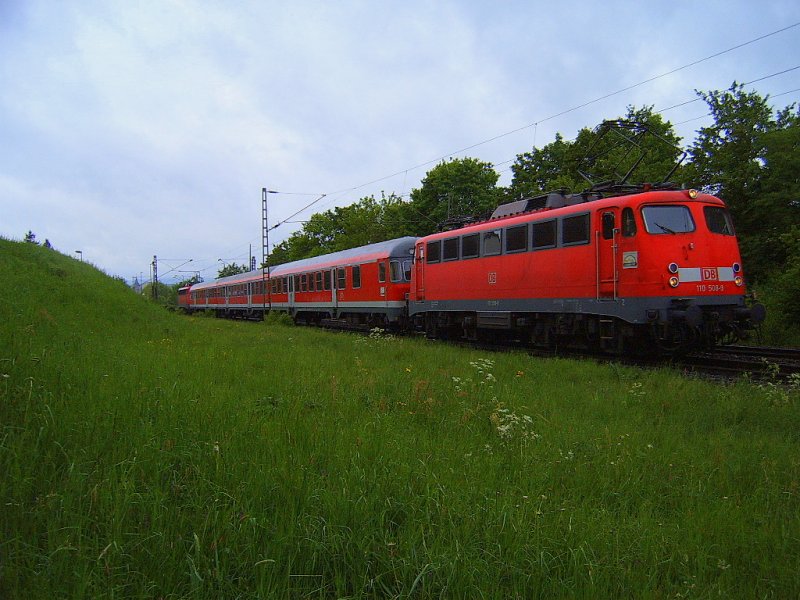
<point>360,287</point>
<point>658,268</point>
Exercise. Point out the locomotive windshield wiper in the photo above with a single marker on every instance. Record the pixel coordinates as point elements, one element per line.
<point>665,228</point>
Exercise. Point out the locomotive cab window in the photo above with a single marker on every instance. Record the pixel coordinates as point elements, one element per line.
<point>667,220</point>
<point>434,252</point>
<point>609,224</point>
<point>492,242</point>
<point>628,222</point>
<point>470,246</point>
<point>450,249</point>
<point>544,235</point>
<point>718,220</point>
<point>575,230</point>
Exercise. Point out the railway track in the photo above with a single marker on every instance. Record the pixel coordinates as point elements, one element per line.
<point>730,362</point>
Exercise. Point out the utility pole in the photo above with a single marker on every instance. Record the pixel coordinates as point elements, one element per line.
<point>265,251</point>
<point>155,277</point>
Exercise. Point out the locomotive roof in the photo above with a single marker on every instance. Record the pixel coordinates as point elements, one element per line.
<point>398,248</point>
<point>575,206</point>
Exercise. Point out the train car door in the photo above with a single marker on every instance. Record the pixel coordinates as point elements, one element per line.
<point>607,243</point>
<point>419,273</point>
<point>334,295</point>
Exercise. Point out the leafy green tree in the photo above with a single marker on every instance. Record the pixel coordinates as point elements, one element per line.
<point>749,158</point>
<point>232,269</point>
<point>602,154</point>
<point>462,187</point>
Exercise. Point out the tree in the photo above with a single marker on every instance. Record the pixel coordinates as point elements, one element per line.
<point>30,237</point>
<point>601,156</point>
<point>232,269</point>
<point>462,187</point>
<point>749,157</point>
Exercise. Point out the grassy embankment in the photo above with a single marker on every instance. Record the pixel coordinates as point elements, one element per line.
<point>147,454</point>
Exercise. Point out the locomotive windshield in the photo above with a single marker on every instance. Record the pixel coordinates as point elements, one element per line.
<point>667,219</point>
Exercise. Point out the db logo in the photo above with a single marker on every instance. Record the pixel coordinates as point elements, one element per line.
<point>710,275</point>
<point>492,278</point>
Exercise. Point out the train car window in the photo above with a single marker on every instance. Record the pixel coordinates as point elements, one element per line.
<point>668,220</point>
<point>628,222</point>
<point>394,271</point>
<point>450,249</point>
<point>470,246</point>
<point>326,280</point>
<point>434,252</point>
<point>517,239</point>
<point>296,283</point>
<point>544,234</point>
<point>273,286</point>
<point>609,224</point>
<point>407,270</point>
<point>304,282</point>
<point>492,242</point>
<point>318,278</point>
<point>341,280</point>
<point>356,276</point>
<point>718,220</point>
<point>381,272</point>
<point>575,230</point>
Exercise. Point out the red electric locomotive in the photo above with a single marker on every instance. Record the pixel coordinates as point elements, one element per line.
<point>658,268</point>
<point>358,288</point>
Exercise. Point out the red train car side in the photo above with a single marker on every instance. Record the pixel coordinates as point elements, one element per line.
<point>657,268</point>
<point>361,287</point>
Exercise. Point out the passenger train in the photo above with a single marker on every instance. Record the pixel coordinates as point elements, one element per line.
<point>628,270</point>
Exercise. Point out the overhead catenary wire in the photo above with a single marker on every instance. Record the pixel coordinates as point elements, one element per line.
<point>534,124</point>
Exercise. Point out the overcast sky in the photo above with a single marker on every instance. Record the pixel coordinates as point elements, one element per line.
<point>129,129</point>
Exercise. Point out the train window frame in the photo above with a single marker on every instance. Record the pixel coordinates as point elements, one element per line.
<point>629,227</point>
<point>577,237</point>
<point>326,280</point>
<point>552,228</point>
<point>488,242</point>
<point>659,227</point>
<point>473,240</point>
<point>713,225</point>
<point>395,271</point>
<point>304,282</point>
<point>407,266</point>
<point>381,272</point>
<point>433,252</point>
<point>341,278</point>
<point>356,276</point>
<point>450,248</point>
<point>609,224</point>
<point>318,281</point>
<point>511,235</point>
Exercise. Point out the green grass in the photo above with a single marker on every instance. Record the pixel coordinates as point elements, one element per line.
<point>147,454</point>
